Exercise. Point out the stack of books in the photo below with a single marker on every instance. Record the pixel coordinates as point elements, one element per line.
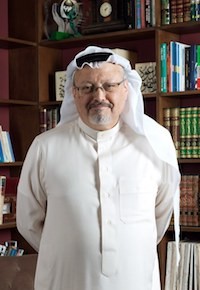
<point>10,248</point>
<point>180,66</point>
<point>6,149</point>
<point>186,276</point>
<point>189,200</point>
<point>183,124</point>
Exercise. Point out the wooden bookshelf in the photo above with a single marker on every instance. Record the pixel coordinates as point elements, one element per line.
<point>29,62</point>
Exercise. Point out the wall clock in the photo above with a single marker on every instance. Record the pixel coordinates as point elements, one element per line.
<point>107,15</point>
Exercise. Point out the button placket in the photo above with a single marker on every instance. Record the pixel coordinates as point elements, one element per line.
<point>108,212</point>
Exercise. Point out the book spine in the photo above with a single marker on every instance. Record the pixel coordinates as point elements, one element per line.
<point>188,132</point>
<point>186,10</point>
<point>1,153</point>
<point>193,10</point>
<point>165,12</point>
<point>173,11</point>
<point>163,73</point>
<point>193,66</point>
<point>166,119</point>
<point>43,120</point>
<point>175,128</point>
<point>198,126</point>
<point>198,68</point>
<point>179,11</point>
<point>12,156</point>
<point>2,196</point>
<point>183,133</point>
<point>138,23</point>
<point>129,14</point>
<point>187,68</point>
<point>142,13</point>
<point>194,132</point>
<point>173,66</point>
<point>148,13</point>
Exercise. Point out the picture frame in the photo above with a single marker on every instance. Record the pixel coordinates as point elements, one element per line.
<point>60,80</point>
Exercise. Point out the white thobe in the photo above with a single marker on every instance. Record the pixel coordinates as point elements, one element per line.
<point>94,204</point>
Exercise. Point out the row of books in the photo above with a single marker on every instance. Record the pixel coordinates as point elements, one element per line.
<point>8,198</point>
<point>189,200</point>
<point>177,11</point>
<point>6,149</point>
<point>10,248</point>
<point>140,13</point>
<point>180,66</point>
<point>49,118</point>
<point>186,275</point>
<point>184,126</point>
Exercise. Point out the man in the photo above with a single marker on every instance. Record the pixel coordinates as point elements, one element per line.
<point>96,193</point>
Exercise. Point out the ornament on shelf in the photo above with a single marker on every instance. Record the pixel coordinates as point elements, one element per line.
<point>62,19</point>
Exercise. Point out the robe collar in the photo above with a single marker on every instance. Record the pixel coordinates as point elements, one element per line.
<point>99,135</point>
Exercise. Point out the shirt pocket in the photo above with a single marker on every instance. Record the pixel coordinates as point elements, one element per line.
<point>137,199</point>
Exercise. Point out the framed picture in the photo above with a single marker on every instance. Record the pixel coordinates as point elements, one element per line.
<point>147,72</point>
<point>60,80</point>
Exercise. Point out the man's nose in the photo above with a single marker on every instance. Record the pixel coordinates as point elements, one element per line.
<point>99,92</point>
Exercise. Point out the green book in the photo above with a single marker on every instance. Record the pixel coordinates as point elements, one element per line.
<point>163,66</point>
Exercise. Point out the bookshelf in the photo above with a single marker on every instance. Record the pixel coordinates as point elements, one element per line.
<point>28,62</point>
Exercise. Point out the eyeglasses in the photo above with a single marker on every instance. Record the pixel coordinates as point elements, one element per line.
<point>107,87</point>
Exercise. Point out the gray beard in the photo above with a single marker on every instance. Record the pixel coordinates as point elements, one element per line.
<point>100,119</point>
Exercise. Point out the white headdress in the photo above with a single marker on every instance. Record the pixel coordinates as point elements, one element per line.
<point>133,113</point>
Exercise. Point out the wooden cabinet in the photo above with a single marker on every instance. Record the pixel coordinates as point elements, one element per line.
<point>28,62</point>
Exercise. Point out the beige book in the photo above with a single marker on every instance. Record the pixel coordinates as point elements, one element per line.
<point>128,54</point>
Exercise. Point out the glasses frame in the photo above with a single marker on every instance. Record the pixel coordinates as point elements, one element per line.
<point>105,87</point>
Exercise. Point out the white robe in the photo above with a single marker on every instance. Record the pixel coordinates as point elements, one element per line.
<point>95,205</point>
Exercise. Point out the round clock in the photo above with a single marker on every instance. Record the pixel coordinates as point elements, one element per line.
<point>105,9</point>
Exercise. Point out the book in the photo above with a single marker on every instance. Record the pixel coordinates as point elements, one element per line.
<point>6,146</point>
<point>147,72</point>
<point>10,248</point>
<point>165,12</point>
<point>128,54</point>
<point>193,67</point>
<point>1,153</point>
<point>2,195</point>
<point>198,67</point>
<point>163,67</point>
<point>9,212</point>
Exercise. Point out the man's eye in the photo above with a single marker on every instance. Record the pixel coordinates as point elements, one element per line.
<point>109,86</point>
<point>87,88</point>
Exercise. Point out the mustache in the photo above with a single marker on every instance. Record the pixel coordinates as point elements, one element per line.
<point>97,103</point>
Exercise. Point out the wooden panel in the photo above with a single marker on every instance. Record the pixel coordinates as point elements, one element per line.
<point>23,74</point>
<point>22,19</point>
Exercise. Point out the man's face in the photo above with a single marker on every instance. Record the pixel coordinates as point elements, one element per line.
<point>100,95</point>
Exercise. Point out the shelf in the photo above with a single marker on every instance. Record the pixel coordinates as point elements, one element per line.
<point>182,27</point>
<point>10,43</point>
<point>10,102</point>
<point>8,226</point>
<point>106,38</point>
<point>50,103</point>
<point>181,94</point>
<point>189,160</point>
<point>186,229</point>
<point>11,164</point>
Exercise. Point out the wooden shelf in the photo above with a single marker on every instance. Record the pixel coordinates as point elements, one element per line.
<point>105,38</point>
<point>182,28</point>
<point>10,43</point>
<point>8,226</point>
<point>11,102</point>
<point>11,164</point>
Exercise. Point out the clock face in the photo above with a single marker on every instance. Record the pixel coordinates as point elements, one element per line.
<point>105,9</point>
